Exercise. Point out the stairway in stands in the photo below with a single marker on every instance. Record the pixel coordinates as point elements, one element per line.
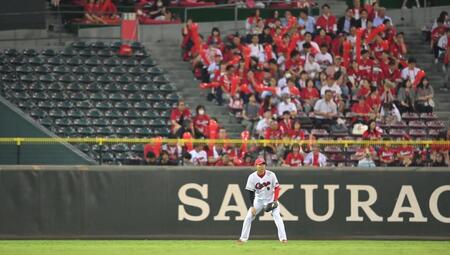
<point>168,56</point>
<point>420,49</point>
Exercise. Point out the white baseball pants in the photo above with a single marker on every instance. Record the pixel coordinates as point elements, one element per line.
<point>259,206</point>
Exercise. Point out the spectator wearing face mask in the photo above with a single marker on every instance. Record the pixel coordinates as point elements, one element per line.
<point>201,121</point>
<point>286,105</point>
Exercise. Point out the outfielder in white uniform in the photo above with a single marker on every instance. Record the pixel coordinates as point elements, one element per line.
<point>263,190</point>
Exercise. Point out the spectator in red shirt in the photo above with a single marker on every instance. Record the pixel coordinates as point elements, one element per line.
<point>309,95</point>
<point>323,38</point>
<point>286,124</point>
<point>297,133</point>
<point>327,21</point>
<point>387,156</point>
<point>178,116</point>
<point>373,132</point>
<point>201,121</point>
<point>361,111</point>
<point>224,161</point>
<point>364,150</point>
<point>294,158</point>
<point>366,65</point>
<point>405,153</point>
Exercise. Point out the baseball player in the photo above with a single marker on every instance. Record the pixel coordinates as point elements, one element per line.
<point>263,190</point>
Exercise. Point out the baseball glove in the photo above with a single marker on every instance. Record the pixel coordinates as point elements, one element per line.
<point>270,206</point>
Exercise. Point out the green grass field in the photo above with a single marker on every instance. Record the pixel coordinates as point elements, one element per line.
<point>78,247</point>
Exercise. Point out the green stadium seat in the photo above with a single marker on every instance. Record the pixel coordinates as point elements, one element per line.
<point>124,79</point>
<point>104,105</point>
<point>82,122</point>
<point>10,77</point>
<point>26,105</point>
<point>112,87</point>
<point>162,132</point>
<point>130,62</point>
<point>76,113</point>
<point>86,131</point>
<point>43,69</point>
<point>66,131</point>
<point>115,45</point>
<point>93,87</point>
<point>66,105</point>
<point>79,96</point>
<point>30,52</point>
<point>148,62</point>
<point>123,105</point>
<point>150,114</point>
<point>86,148</point>
<point>19,60</point>
<point>46,122</point>
<point>56,61</point>
<point>119,70</point>
<point>161,106</point>
<point>86,53</point>
<point>114,61</point>
<point>161,79</point>
<point>95,113</point>
<point>39,96</point>
<point>120,147</point>
<point>80,69</point>
<point>138,148</point>
<point>86,78</point>
<point>79,45</point>
<point>136,97</point>
<point>144,132</point>
<point>21,95</point>
<point>37,60</point>
<point>156,123</point>
<point>155,70</point>
<point>167,88</point>
<point>103,148</point>
<point>46,105</point>
<point>104,131</point>
<point>120,123</point>
<point>142,105</point>
<point>4,69</point>
<point>137,70</point>
<point>173,97</point>
<point>113,113</point>
<point>24,69</point>
<point>106,78</point>
<point>124,131</point>
<point>11,52</point>
<point>38,113</point>
<point>117,96</point>
<point>75,87</point>
<point>19,87</point>
<point>47,78</point>
<point>136,46</point>
<point>105,53</point>
<point>59,96</point>
<point>49,52</point>
<point>61,69</point>
<point>66,78</point>
<point>131,113</point>
<point>37,87</point>
<point>68,52</point>
<point>57,113</point>
<point>165,114</point>
<point>101,122</point>
<point>86,104</point>
<point>63,122</point>
<point>55,87</point>
<point>28,78</point>
<point>98,45</point>
<point>138,123</point>
<point>75,61</point>
<point>93,61</point>
<point>99,70</point>
<point>144,79</point>
<point>130,88</point>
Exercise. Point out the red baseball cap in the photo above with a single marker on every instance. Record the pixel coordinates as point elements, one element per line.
<point>260,161</point>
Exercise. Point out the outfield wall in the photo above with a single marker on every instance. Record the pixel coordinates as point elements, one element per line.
<point>142,202</point>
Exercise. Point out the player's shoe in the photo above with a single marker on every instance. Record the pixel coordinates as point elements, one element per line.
<point>239,241</point>
<point>283,241</point>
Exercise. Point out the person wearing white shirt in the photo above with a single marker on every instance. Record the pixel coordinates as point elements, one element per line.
<point>410,72</point>
<point>379,19</point>
<point>198,155</point>
<point>286,105</point>
<point>256,49</point>
<point>325,110</point>
<point>264,123</point>
<point>332,86</point>
<point>315,158</point>
<point>307,38</point>
<point>323,58</point>
<point>306,21</point>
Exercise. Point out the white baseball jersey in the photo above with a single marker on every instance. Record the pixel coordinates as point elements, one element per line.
<point>262,186</point>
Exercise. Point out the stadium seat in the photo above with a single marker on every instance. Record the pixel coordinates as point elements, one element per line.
<point>161,79</point>
<point>38,113</point>
<point>123,105</point>
<point>155,97</point>
<point>37,60</point>
<point>148,62</point>
<point>79,96</point>
<point>105,53</point>
<point>428,116</point>
<point>103,122</point>
<point>113,113</point>
<point>115,45</point>
<point>130,62</point>
<point>43,69</point>
<point>49,52</point>
<point>150,114</point>
<point>26,105</point>
<point>66,105</point>
<point>117,70</point>
<point>76,113</point>
<point>137,70</point>
<point>113,61</point>
<point>86,104</point>
<point>142,105</point>
<point>28,78</point>
<point>66,131</point>
<point>136,45</point>
<point>434,124</point>
<point>57,113</point>
<point>124,79</point>
<point>418,133</point>
<point>24,69</point>
<point>86,131</point>
<point>62,69</point>
<point>40,95</point>
<point>138,122</point>
<point>131,113</point>
<point>105,78</point>
<point>104,131</point>
<point>75,61</point>
<point>130,88</point>
<point>124,131</point>
<point>117,96</point>
<point>155,70</point>
<point>66,78</point>
<point>80,69</point>
<point>98,45</point>
<point>75,87</point>
<point>167,88</point>
<point>93,87</point>
<point>417,124</point>
<point>99,70</point>
<point>93,61</point>
<point>30,52</point>
<point>63,122</point>
<point>86,53</point>
<point>136,97</point>
<point>397,132</point>
<point>95,113</point>
<point>86,78</point>
<point>172,97</point>
<point>68,52</point>
<point>82,122</point>
<point>79,45</point>
<point>144,79</point>
<point>5,69</point>
<point>11,52</point>
<point>120,147</point>
<point>56,61</point>
<point>161,106</point>
<point>47,105</point>
<point>104,105</point>
<point>19,60</point>
<point>19,87</point>
<point>84,147</point>
<point>138,148</point>
<point>120,123</point>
